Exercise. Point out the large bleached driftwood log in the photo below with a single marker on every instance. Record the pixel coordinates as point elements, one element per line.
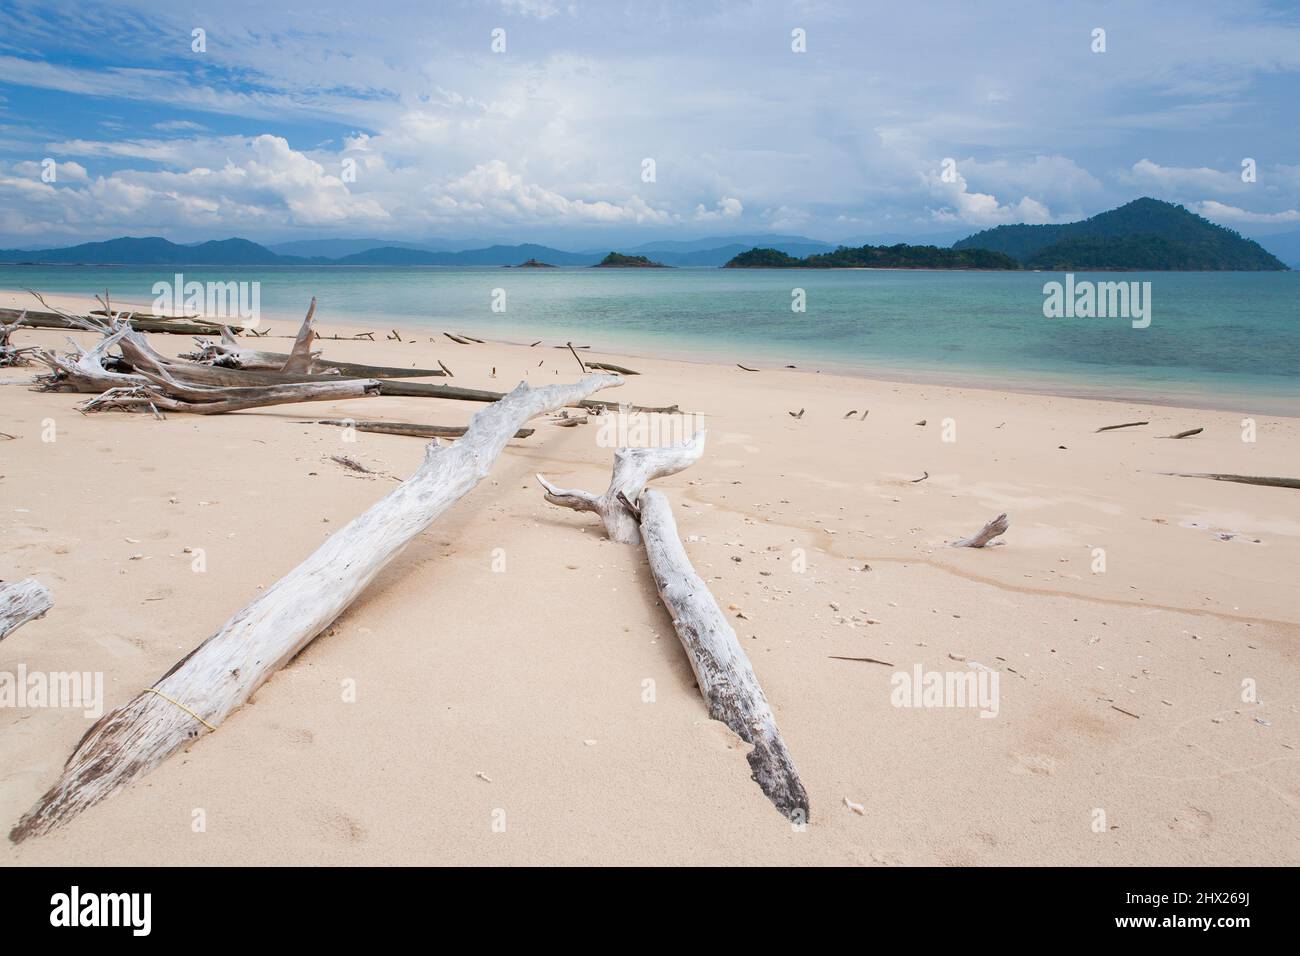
<point>722,670</point>
<point>197,694</point>
<point>20,602</point>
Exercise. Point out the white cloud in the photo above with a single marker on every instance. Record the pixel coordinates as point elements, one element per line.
<point>728,207</point>
<point>976,208</point>
<point>1174,179</point>
<point>1232,215</point>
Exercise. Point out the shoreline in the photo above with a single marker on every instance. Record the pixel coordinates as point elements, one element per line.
<point>952,377</point>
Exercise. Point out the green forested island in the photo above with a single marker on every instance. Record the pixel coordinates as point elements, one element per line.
<point>1145,234</point>
<point>616,260</point>
<point>900,256</point>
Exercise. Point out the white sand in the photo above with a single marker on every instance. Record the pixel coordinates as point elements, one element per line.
<point>461,671</point>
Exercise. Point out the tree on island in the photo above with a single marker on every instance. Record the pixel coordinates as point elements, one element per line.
<point>901,256</point>
<point>616,260</point>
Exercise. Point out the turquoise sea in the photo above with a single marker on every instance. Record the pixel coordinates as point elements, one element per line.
<point>1229,340</point>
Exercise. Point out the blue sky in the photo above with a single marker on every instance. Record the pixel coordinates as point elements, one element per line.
<point>255,135</point>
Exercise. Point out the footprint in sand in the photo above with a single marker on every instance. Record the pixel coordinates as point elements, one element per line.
<point>1192,822</point>
<point>1035,764</point>
<point>343,827</point>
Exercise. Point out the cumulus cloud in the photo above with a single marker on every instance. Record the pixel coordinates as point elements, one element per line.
<point>728,207</point>
<point>447,137</point>
<point>1167,180</point>
<point>962,205</point>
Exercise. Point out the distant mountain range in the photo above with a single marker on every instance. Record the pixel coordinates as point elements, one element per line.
<point>374,252</point>
<point>1145,234</point>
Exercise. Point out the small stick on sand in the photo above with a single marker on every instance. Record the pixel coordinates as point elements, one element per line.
<point>1187,434</point>
<point>1111,428</point>
<point>607,367</point>
<point>986,534</point>
<point>746,367</point>
<point>864,660</point>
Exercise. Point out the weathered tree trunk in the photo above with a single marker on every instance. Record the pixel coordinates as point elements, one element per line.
<point>726,678</point>
<point>20,602</point>
<point>722,670</point>
<point>205,686</point>
<point>168,395</point>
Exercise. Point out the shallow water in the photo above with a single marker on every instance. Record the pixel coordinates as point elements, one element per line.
<point>1219,339</point>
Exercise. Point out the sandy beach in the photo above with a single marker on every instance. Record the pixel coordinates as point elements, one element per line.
<point>1157,696</point>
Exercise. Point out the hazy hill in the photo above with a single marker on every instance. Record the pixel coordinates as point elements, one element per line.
<point>1144,234</point>
<point>154,251</point>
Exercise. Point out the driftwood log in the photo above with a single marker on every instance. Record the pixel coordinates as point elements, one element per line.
<point>11,355</point>
<point>36,319</point>
<point>985,534</point>
<point>1240,479</point>
<point>20,602</point>
<point>608,367</point>
<point>165,394</point>
<point>725,677</point>
<point>403,428</point>
<point>218,676</point>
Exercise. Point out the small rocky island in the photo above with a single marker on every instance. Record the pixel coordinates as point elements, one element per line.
<point>616,260</point>
<point>532,264</point>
